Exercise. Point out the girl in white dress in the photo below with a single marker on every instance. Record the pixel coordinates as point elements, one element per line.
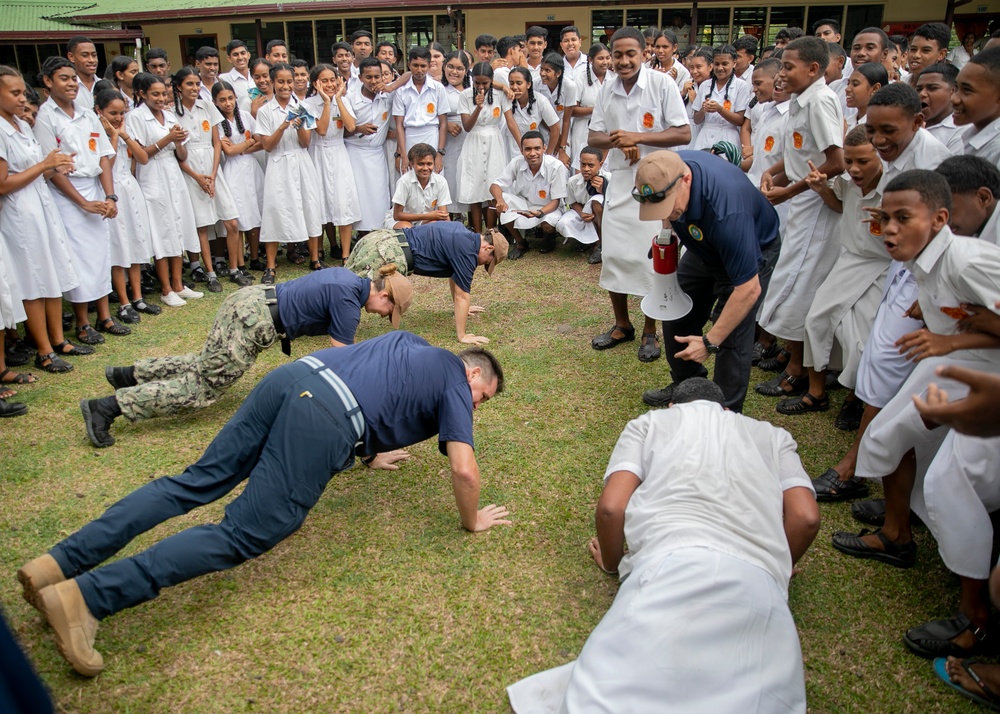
<point>341,207</point>
<point>665,60</point>
<point>210,194</point>
<point>240,167</point>
<point>33,235</point>
<point>293,205</point>
<point>721,102</point>
<point>563,95</point>
<point>130,232</point>
<point>121,71</point>
<point>485,111</point>
<point>456,74</point>
<point>172,227</point>
<point>700,67</point>
<point>598,63</point>
<point>532,112</point>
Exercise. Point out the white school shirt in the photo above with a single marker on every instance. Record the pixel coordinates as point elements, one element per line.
<point>414,198</point>
<point>205,93</point>
<point>577,73</point>
<point>85,95</point>
<point>948,134</point>
<point>923,152</point>
<point>991,230</point>
<point>269,118</point>
<point>952,270</point>
<point>81,134</point>
<point>959,57</point>
<point>490,114</point>
<point>540,118</point>
<point>502,74</point>
<point>369,111</point>
<point>985,144</point>
<point>576,189</point>
<point>198,121</point>
<point>536,74</point>
<point>747,75</point>
<point>537,189</point>
<point>335,130</point>
<point>569,97</point>
<point>723,493</point>
<point>739,98</point>
<point>241,84</point>
<point>683,76</point>
<point>815,123</point>
<point>420,107</point>
<point>767,124</point>
<point>856,232</point>
<point>653,105</point>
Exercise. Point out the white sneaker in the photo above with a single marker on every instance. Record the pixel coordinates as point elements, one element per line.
<point>190,294</point>
<point>172,299</point>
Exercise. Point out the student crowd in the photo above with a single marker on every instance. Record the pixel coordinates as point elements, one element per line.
<point>879,156</point>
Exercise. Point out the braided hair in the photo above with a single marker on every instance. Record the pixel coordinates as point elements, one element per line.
<point>595,49</point>
<point>141,84</point>
<point>178,79</point>
<point>227,129</point>
<point>482,69</point>
<point>555,61</point>
<point>460,55</point>
<point>523,71</point>
<point>723,50</point>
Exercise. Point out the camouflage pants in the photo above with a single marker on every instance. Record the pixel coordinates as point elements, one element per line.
<point>376,249</point>
<point>168,385</point>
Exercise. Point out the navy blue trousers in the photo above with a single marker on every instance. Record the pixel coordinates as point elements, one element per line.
<point>287,439</point>
<point>706,285</point>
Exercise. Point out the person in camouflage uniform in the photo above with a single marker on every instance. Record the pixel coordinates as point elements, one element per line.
<point>248,322</point>
<point>442,249</point>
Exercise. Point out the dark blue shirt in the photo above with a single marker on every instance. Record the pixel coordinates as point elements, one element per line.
<point>407,390</point>
<point>728,221</point>
<point>327,302</point>
<point>445,249</point>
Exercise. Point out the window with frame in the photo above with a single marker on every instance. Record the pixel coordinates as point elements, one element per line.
<point>713,27</point>
<point>858,18</point>
<point>642,18</point>
<point>749,21</point>
<point>353,24</point>
<point>419,31</point>
<point>328,33</point>
<point>782,17</point>
<point>603,24</point>
<point>300,41</point>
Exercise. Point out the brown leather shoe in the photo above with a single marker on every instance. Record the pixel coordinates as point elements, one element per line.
<point>75,628</point>
<point>36,575</point>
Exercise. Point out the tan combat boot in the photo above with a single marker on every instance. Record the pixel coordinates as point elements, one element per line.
<point>65,609</point>
<point>38,574</point>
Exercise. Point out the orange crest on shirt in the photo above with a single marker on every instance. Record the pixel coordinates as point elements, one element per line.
<point>768,143</point>
<point>533,126</point>
<point>496,112</point>
<point>647,120</point>
<point>727,105</point>
<point>559,107</point>
<point>246,134</point>
<point>797,140</point>
<point>430,107</point>
<point>205,126</point>
<point>434,203</point>
<point>385,115</point>
<point>542,193</point>
<point>875,228</point>
<point>92,144</point>
<point>955,313</point>
<point>128,152</point>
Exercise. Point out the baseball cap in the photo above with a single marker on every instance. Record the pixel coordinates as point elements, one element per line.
<point>401,292</point>
<point>500,246</point>
<point>655,184</point>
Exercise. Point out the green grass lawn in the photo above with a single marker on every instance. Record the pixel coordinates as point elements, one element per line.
<point>381,602</point>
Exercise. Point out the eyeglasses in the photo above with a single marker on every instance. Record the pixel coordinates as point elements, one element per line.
<point>651,197</point>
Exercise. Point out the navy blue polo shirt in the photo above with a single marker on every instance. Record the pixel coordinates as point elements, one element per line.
<point>326,302</point>
<point>728,221</point>
<point>408,390</point>
<point>445,248</point>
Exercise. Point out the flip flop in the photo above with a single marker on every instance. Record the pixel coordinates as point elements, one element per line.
<point>992,702</point>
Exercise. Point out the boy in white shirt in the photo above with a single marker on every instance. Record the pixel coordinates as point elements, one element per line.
<point>977,105</point>
<point>760,135</point>
<point>421,195</point>
<point>529,194</point>
<point>420,111</point>
<point>239,76</point>
<point>585,197</point>
<point>934,86</point>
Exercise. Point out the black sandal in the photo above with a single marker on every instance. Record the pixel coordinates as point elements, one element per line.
<point>799,405</point>
<point>776,363</point>
<point>73,351</point>
<point>830,488</point>
<point>849,416</point>
<point>934,638</point>
<point>649,347</point>
<point>773,388</point>
<point>88,335</point>
<point>899,555</point>
<point>56,365</point>
<point>113,327</point>
<point>607,340</point>
<point>316,265</point>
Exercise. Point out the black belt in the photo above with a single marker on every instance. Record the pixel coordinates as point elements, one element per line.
<point>407,253</point>
<point>271,300</point>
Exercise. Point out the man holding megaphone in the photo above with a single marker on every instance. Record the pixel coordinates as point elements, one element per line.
<point>730,233</point>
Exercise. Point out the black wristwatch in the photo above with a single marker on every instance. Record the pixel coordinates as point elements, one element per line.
<point>441,151</point>
<point>111,197</point>
<point>397,154</point>
<point>712,349</point>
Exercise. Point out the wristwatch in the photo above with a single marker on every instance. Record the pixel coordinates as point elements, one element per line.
<point>111,197</point>
<point>441,151</point>
<point>712,349</point>
<point>397,155</point>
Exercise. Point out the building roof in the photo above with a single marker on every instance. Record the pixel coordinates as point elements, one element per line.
<point>50,19</point>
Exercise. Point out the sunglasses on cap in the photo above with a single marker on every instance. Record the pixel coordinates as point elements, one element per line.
<point>647,195</point>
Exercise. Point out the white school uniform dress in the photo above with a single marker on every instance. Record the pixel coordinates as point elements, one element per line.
<point>571,225</point>
<point>842,313</point>
<point>579,132</point>
<point>714,128</point>
<point>525,191</point>
<point>541,115</point>
<point>453,148</point>
<point>371,173</point>
<point>948,134</point>
<point>36,241</point>
<point>985,144</point>
<point>654,104</point>
<point>562,102</point>
<point>415,198</point>
<point>705,535</point>
<point>814,123</point>
<point>292,201</point>
<point>11,302</point>
<point>199,122</point>
<point>131,236</point>
<point>421,111</point>
<point>241,85</point>
<point>89,233</point>
<point>244,174</point>
<point>172,226</point>
<point>484,154</point>
<point>341,205</point>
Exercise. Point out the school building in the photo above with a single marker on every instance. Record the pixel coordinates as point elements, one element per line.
<point>31,30</point>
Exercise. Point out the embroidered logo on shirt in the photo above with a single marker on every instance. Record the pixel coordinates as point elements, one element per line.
<point>434,203</point>
<point>768,143</point>
<point>205,126</point>
<point>542,193</point>
<point>385,115</point>
<point>92,144</point>
<point>496,112</point>
<point>955,313</point>
<point>647,120</point>
<point>430,107</point>
<point>727,105</point>
<point>533,126</point>
<point>559,107</point>
<point>128,152</point>
<point>340,123</point>
<point>246,133</point>
<point>695,232</point>
<point>797,140</point>
<point>875,228</point>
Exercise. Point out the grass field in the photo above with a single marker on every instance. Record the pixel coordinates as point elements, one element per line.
<point>381,603</point>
